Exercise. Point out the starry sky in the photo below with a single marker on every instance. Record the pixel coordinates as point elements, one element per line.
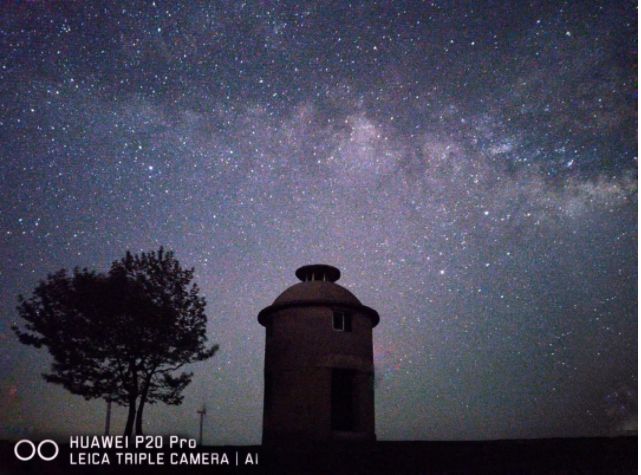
<point>471,167</point>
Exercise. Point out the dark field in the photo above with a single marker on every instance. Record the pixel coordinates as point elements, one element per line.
<point>557,456</point>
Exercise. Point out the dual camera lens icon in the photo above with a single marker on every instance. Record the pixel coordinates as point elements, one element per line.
<point>29,452</point>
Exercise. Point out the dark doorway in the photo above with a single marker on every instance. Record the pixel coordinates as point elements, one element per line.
<point>343,411</point>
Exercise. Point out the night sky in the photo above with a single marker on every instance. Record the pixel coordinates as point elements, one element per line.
<point>471,167</point>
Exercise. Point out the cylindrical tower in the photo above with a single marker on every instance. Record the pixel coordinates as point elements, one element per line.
<point>319,370</point>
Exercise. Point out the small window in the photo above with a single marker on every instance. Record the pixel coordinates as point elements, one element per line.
<point>342,321</point>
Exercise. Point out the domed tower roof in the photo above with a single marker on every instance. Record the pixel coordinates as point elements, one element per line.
<point>318,288</point>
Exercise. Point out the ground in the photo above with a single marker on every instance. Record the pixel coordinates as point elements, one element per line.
<point>558,456</point>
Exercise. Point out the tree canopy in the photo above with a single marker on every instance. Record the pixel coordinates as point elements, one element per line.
<point>120,336</point>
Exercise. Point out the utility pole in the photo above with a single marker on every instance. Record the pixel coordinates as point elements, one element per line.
<point>202,413</point>
<point>108,418</point>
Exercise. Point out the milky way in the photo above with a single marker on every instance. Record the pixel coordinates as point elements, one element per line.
<point>470,167</point>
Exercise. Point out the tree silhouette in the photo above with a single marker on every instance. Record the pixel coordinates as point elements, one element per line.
<point>120,336</point>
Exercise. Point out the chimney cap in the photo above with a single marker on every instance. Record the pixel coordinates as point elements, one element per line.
<point>322,272</point>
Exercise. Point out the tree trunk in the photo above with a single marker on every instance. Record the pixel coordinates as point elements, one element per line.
<point>133,396</point>
<point>108,418</point>
<point>130,417</point>
<point>141,405</point>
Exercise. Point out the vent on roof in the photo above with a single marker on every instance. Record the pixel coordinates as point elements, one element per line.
<point>320,272</point>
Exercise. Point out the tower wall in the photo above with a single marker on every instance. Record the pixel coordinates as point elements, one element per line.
<point>302,350</point>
